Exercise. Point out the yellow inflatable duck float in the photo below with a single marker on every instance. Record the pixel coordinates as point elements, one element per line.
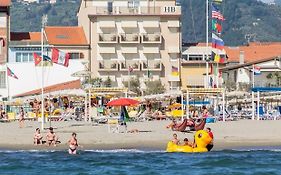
<point>202,139</point>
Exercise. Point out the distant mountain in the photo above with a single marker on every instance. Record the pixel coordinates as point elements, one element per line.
<point>249,19</point>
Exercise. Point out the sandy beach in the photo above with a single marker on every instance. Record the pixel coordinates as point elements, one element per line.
<point>152,135</point>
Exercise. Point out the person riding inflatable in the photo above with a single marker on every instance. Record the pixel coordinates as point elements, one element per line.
<point>202,139</point>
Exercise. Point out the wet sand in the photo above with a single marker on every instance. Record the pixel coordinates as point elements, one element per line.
<point>153,135</point>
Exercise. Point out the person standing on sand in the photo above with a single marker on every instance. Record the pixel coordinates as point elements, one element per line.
<point>73,144</point>
<point>21,118</point>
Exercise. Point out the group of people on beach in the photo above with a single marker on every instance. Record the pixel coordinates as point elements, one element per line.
<point>52,139</point>
<point>186,142</point>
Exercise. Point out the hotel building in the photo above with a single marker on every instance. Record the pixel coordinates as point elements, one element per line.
<point>144,35</point>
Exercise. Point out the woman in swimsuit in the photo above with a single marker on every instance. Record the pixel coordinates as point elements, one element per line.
<point>73,144</point>
<point>37,137</point>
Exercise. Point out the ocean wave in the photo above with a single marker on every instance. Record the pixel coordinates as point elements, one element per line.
<point>125,151</point>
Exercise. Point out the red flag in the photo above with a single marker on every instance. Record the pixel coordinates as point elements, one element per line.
<point>131,69</point>
<point>11,73</point>
<point>211,67</point>
<point>60,57</point>
<point>37,59</point>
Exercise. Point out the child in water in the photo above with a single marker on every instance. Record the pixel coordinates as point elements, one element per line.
<point>73,144</point>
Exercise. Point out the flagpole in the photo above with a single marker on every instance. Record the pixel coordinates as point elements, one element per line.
<point>253,76</point>
<point>217,71</point>
<point>207,42</point>
<point>129,75</point>
<point>8,83</point>
<point>253,95</point>
<point>44,21</point>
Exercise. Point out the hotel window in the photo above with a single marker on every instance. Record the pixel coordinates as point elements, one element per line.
<point>18,57</point>
<point>195,57</point>
<point>76,55</point>
<point>2,79</point>
<point>25,57</point>
<point>133,3</point>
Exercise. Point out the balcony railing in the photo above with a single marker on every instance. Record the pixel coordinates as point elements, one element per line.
<point>168,10</point>
<point>154,65</point>
<point>129,38</point>
<point>108,38</point>
<point>151,38</point>
<point>108,65</point>
<point>124,66</point>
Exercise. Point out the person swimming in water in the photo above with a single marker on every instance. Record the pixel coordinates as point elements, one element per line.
<point>73,144</point>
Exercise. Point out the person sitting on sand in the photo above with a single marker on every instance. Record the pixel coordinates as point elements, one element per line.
<point>210,145</point>
<point>37,137</point>
<point>51,137</point>
<point>186,142</point>
<point>73,144</point>
<point>175,139</point>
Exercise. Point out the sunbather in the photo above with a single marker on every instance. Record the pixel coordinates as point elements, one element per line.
<point>175,139</point>
<point>187,143</point>
<point>51,137</point>
<point>37,137</point>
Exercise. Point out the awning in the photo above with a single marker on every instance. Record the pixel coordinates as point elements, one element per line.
<point>129,49</point>
<point>150,24</point>
<point>150,49</point>
<point>129,24</point>
<point>173,24</point>
<point>76,84</point>
<point>173,50</point>
<point>107,50</point>
<point>106,24</point>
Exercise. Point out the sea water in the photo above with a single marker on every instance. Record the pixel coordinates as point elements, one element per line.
<point>260,162</point>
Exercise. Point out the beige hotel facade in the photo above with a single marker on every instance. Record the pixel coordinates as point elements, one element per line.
<point>142,34</point>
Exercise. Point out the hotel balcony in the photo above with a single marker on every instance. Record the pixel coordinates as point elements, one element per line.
<point>167,10</point>
<point>108,65</point>
<point>106,50</point>
<point>150,50</point>
<point>129,38</point>
<point>108,38</point>
<point>152,38</point>
<point>154,65</point>
<point>124,65</point>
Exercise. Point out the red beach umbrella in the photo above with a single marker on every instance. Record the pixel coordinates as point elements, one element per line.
<point>123,102</point>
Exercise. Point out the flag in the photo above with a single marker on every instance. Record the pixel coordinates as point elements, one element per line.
<point>217,42</point>
<point>11,73</point>
<point>257,70</point>
<point>37,59</point>
<point>216,13</point>
<point>216,26</point>
<point>131,69</point>
<point>60,57</point>
<point>217,1</point>
<point>175,71</point>
<point>217,58</point>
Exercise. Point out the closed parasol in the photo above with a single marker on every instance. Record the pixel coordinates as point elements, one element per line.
<point>123,102</point>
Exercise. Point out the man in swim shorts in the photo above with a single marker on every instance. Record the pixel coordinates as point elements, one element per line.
<point>51,137</point>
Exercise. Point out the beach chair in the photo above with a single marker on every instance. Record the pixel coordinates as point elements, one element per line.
<point>116,126</point>
<point>11,116</point>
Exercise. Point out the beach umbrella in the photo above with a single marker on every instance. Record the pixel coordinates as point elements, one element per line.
<point>123,102</point>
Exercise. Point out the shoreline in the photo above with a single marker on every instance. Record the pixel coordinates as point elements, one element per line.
<point>219,146</point>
